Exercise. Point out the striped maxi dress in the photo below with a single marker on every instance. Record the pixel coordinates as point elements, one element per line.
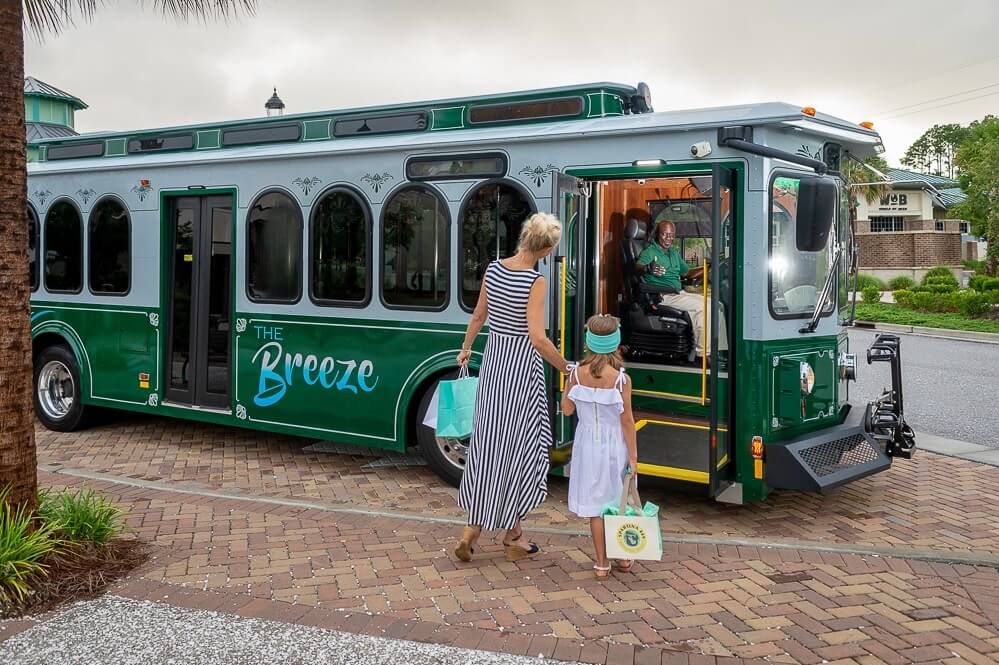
<point>507,465</point>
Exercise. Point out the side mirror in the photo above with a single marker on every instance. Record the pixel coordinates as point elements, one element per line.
<point>817,204</point>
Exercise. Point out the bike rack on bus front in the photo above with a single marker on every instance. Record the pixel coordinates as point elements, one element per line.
<point>885,416</point>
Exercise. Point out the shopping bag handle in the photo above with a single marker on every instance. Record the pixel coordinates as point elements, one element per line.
<point>630,492</point>
<point>463,371</point>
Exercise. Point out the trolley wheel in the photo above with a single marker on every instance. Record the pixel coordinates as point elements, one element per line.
<point>446,456</point>
<point>58,393</point>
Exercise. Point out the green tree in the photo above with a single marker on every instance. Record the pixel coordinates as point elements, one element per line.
<point>935,151</point>
<point>17,435</point>
<point>978,159</point>
<point>864,179</point>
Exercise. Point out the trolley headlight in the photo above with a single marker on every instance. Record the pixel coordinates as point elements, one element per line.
<point>807,379</point>
<point>848,366</point>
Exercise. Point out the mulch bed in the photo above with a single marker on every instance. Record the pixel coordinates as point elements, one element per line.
<point>81,573</point>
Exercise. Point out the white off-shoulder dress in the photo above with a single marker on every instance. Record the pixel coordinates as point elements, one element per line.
<point>599,453</point>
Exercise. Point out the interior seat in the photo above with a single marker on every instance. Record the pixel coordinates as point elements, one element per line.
<point>650,330</point>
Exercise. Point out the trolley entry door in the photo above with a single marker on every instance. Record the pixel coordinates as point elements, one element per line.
<point>567,273</point>
<point>721,282</point>
<point>198,352</point>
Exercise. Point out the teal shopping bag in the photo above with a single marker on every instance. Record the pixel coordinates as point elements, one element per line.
<point>456,405</point>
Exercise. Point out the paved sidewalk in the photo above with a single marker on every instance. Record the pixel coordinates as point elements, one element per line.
<point>969,451</point>
<point>113,629</point>
<point>393,577</point>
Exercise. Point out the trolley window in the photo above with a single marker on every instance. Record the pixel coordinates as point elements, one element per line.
<point>381,124</point>
<point>490,229</point>
<point>274,249</point>
<point>530,110</point>
<point>110,254</point>
<point>796,276</point>
<point>33,231</point>
<point>63,249</point>
<point>158,143</point>
<point>75,150</point>
<point>415,261</point>
<point>340,255</point>
<point>261,134</point>
<point>456,167</point>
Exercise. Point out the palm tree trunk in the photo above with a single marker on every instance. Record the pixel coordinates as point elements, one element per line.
<point>17,433</point>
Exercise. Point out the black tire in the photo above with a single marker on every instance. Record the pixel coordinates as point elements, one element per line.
<point>447,456</point>
<point>58,402</point>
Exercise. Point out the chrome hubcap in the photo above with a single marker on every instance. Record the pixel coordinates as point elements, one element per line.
<point>56,390</point>
<point>454,450</point>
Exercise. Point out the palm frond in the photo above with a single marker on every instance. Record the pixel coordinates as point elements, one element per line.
<point>50,17</point>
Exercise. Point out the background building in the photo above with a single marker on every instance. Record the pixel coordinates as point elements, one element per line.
<point>910,229</point>
<point>48,112</point>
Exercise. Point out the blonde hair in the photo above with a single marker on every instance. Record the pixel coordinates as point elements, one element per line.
<point>540,232</point>
<point>602,324</point>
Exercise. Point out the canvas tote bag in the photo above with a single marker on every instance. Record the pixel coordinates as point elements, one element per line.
<point>633,533</point>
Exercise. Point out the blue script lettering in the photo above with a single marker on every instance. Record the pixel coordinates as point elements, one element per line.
<point>273,384</point>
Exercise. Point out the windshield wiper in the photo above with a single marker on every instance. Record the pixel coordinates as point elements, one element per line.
<point>821,302</point>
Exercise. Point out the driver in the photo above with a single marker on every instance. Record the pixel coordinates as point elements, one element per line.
<point>660,264</point>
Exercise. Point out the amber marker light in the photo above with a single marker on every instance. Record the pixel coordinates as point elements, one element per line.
<point>757,447</point>
<point>809,110</point>
<point>866,124</point>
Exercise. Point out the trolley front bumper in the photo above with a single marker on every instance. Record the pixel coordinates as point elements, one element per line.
<point>823,460</point>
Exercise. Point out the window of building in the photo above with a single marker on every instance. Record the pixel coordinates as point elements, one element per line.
<point>274,249</point>
<point>490,228</point>
<point>63,249</point>
<point>965,227</point>
<point>462,166</point>
<point>415,235</point>
<point>886,224</point>
<point>109,251</point>
<point>339,249</point>
<point>529,110</point>
<point>33,231</point>
<point>938,225</point>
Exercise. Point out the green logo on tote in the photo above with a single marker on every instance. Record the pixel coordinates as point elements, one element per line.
<point>280,369</point>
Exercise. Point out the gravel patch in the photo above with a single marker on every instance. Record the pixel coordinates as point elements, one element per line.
<point>119,630</point>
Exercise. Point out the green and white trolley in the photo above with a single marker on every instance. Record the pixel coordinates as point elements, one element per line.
<point>313,274</point>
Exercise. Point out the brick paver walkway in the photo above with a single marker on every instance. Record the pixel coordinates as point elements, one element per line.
<point>338,566</point>
<point>931,501</point>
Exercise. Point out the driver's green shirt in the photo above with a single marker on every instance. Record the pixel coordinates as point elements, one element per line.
<point>669,259</point>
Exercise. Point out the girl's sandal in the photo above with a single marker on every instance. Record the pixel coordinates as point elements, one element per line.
<point>602,572</point>
<point>625,565</point>
<point>464,550</point>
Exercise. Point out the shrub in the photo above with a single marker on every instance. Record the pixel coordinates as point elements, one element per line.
<point>901,282</point>
<point>993,296</point>
<point>971,264</point>
<point>81,516</point>
<point>865,281</point>
<point>920,289</point>
<point>871,294</point>
<point>941,284</point>
<point>23,546</point>
<point>977,282</point>
<point>903,297</point>
<point>972,304</point>
<point>989,284</point>
<point>939,272</point>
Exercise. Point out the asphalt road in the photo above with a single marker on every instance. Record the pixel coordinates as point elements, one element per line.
<point>950,387</point>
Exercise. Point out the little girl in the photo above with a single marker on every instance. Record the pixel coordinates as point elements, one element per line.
<point>605,445</point>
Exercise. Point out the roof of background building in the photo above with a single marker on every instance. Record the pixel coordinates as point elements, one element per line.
<point>951,196</point>
<point>33,86</point>
<point>37,131</point>
<point>938,181</point>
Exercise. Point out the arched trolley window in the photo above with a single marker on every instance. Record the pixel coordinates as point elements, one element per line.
<point>415,262</point>
<point>109,250</point>
<point>274,249</point>
<point>340,250</point>
<point>63,249</point>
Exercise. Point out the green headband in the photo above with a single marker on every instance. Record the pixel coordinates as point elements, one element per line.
<point>603,343</point>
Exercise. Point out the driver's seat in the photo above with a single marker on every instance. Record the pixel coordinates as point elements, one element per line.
<point>648,328</point>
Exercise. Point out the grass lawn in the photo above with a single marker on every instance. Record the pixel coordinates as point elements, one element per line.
<point>885,313</point>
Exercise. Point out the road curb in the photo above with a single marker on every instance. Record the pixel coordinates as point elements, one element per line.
<point>967,557</point>
<point>923,331</point>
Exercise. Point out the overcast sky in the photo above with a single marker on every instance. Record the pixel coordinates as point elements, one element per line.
<point>904,64</point>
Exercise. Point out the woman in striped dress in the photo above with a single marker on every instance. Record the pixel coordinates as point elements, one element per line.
<point>507,464</point>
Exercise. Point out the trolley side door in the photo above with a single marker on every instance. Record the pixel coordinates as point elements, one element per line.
<point>721,281</point>
<point>565,300</point>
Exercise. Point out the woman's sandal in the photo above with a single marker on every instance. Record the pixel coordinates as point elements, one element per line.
<point>625,565</point>
<point>603,572</point>
<point>516,552</point>
<point>464,550</point>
